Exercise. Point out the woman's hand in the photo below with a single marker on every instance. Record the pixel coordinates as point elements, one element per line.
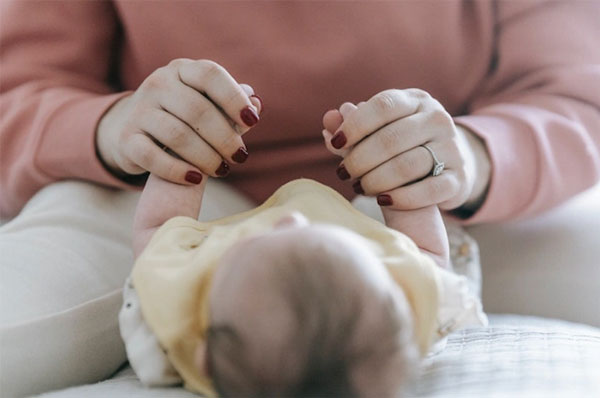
<point>193,108</point>
<point>381,139</point>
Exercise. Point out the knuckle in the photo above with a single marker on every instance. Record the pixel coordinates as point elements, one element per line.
<point>210,70</point>
<point>177,136</point>
<point>419,93</point>
<point>439,116</point>
<point>389,139</point>
<point>155,81</point>
<point>384,102</point>
<point>178,62</point>
<point>233,94</point>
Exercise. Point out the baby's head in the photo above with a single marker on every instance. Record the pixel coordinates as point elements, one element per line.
<point>306,310</point>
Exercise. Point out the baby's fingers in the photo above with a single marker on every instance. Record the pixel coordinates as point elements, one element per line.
<point>332,120</point>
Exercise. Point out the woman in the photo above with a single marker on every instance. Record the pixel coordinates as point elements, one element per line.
<point>511,92</point>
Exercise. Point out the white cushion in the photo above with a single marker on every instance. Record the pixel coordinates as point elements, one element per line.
<point>547,266</point>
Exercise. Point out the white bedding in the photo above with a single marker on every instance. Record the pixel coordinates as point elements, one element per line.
<point>514,356</point>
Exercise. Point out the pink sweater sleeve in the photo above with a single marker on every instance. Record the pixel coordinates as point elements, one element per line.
<point>539,112</point>
<point>55,62</point>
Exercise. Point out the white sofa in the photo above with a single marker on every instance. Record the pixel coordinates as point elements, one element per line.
<point>548,267</point>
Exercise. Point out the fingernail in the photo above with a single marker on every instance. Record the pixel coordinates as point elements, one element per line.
<point>262,104</point>
<point>338,140</point>
<point>223,170</point>
<point>240,155</point>
<point>358,188</point>
<point>193,176</point>
<point>249,116</point>
<point>342,173</point>
<point>384,200</point>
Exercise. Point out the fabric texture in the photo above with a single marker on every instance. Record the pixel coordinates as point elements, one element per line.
<point>514,356</point>
<point>523,75</point>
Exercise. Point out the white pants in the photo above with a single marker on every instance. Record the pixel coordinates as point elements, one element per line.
<point>64,260</point>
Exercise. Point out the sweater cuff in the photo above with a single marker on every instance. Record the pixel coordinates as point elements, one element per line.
<point>68,148</point>
<point>514,167</point>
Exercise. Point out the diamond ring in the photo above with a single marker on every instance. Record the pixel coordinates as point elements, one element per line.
<point>438,166</point>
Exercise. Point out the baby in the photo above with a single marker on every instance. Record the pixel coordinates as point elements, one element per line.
<point>302,296</point>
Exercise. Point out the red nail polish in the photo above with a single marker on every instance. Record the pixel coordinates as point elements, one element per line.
<point>240,155</point>
<point>223,170</point>
<point>193,176</point>
<point>358,188</point>
<point>384,200</point>
<point>342,173</point>
<point>262,104</point>
<point>338,140</point>
<point>249,116</point>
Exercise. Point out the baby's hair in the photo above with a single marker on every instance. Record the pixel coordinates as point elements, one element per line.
<point>323,351</point>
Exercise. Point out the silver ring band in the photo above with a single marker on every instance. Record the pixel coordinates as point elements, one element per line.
<point>438,167</point>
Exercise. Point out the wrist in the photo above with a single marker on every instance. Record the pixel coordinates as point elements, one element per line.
<point>106,132</point>
<point>482,171</point>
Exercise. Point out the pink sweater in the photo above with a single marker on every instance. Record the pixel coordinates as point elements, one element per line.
<point>523,75</point>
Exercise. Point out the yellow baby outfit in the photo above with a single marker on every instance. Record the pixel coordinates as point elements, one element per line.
<point>173,274</point>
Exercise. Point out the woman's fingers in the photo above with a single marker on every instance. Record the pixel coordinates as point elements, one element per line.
<point>145,153</point>
<point>347,108</point>
<point>194,108</point>
<point>181,139</point>
<point>386,143</point>
<point>383,108</point>
<point>212,80</point>
<point>412,165</point>
<point>254,98</point>
<point>339,152</point>
<point>430,191</point>
<point>206,120</point>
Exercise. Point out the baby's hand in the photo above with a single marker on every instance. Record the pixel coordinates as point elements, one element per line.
<point>425,227</point>
<point>160,201</point>
<point>382,141</point>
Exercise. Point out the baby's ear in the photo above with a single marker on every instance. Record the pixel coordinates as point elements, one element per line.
<point>201,360</point>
